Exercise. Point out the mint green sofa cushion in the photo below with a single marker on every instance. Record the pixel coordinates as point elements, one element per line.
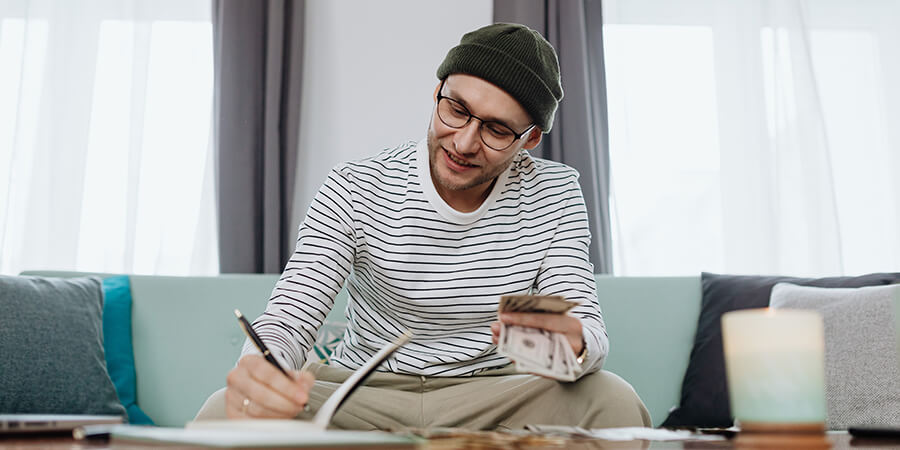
<point>651,322</point>
<point>186,338</point>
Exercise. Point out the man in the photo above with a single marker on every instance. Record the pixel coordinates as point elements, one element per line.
<point>428,236</point>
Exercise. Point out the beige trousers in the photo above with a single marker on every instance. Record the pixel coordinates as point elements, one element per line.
<point>496,399</point>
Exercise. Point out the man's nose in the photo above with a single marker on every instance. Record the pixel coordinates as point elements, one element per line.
<point>468,138</point>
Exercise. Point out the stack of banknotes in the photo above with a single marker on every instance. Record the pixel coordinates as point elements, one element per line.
<point>535,350</point>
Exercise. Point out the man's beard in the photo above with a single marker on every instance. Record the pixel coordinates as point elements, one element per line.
<point>435,151</point>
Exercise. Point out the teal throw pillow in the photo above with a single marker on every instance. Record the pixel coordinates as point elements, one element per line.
<point>51,342</point>
<point>118,347</point>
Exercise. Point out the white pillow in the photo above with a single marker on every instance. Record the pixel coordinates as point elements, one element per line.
<point>862,376</point>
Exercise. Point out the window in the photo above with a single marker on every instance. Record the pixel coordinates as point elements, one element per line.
<point>105,137</point>
<point>753,137</point>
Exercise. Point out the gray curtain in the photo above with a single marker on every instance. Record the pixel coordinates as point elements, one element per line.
<point>580,134</point>
<point>258,64</point>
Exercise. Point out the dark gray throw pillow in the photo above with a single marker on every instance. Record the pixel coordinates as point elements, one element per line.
<point>51,339</point>
<point>704,392</point>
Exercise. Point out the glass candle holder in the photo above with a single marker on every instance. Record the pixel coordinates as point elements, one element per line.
<point>775,364</point>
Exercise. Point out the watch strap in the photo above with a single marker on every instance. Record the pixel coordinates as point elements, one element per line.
<point>583,355</point>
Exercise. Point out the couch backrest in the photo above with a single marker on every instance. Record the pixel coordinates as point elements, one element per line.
<point>186,338</point>
<point>651,322</point>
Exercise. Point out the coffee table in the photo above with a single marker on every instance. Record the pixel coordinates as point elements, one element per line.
<point>838,440</point>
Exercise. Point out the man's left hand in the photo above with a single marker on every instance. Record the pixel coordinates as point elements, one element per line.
<point>568,326</point>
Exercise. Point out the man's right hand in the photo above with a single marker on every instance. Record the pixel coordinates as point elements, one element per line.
<point>256,389</point>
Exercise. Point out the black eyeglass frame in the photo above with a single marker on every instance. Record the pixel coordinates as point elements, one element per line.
<point>516,136</point>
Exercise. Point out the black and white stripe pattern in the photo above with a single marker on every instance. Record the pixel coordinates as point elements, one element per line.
<point>411,261</point>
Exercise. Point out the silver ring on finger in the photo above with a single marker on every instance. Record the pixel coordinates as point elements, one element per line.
<point>246,404</point>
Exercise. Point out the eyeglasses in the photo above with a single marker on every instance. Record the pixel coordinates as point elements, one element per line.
<point>496,135</point>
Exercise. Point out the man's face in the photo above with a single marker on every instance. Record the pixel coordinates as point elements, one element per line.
<point>461,163</point>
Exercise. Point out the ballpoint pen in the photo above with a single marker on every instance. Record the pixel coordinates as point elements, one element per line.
<point>248,330</point>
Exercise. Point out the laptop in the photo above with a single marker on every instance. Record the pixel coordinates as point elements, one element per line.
<point>49,423</point>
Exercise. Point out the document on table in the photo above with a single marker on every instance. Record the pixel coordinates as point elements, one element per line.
<point>623,434</point>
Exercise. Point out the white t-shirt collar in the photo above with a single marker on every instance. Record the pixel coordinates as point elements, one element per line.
<point>438,203</point>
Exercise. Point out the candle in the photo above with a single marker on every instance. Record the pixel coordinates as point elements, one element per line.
<point>775,366</point>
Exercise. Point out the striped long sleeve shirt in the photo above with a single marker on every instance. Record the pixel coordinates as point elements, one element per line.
<point>410,261</point>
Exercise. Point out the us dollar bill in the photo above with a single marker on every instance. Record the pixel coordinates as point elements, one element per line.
<point>535,350</point>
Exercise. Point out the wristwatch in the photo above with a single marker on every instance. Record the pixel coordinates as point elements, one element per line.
<point>581,356</point>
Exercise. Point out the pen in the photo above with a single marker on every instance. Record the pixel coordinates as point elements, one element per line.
<point>258,342</point>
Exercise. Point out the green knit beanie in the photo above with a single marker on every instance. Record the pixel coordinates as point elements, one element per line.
<point>515,58</point>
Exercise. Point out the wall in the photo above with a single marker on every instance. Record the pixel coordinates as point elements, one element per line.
<point>369,73</point>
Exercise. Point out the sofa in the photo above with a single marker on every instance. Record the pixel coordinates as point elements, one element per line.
<point>186,338</point>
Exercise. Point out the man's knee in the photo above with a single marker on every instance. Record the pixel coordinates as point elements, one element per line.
<point>214,407</point>
<point>615,403</point>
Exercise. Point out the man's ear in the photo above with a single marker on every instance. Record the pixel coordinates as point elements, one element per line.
<point>436,90</point>
<point>534,138</point>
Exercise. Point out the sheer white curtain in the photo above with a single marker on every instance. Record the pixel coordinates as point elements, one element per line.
<point>754,136</point>
<point>105,156</point>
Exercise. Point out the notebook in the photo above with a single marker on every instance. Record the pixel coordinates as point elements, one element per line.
<point>268,432</point>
